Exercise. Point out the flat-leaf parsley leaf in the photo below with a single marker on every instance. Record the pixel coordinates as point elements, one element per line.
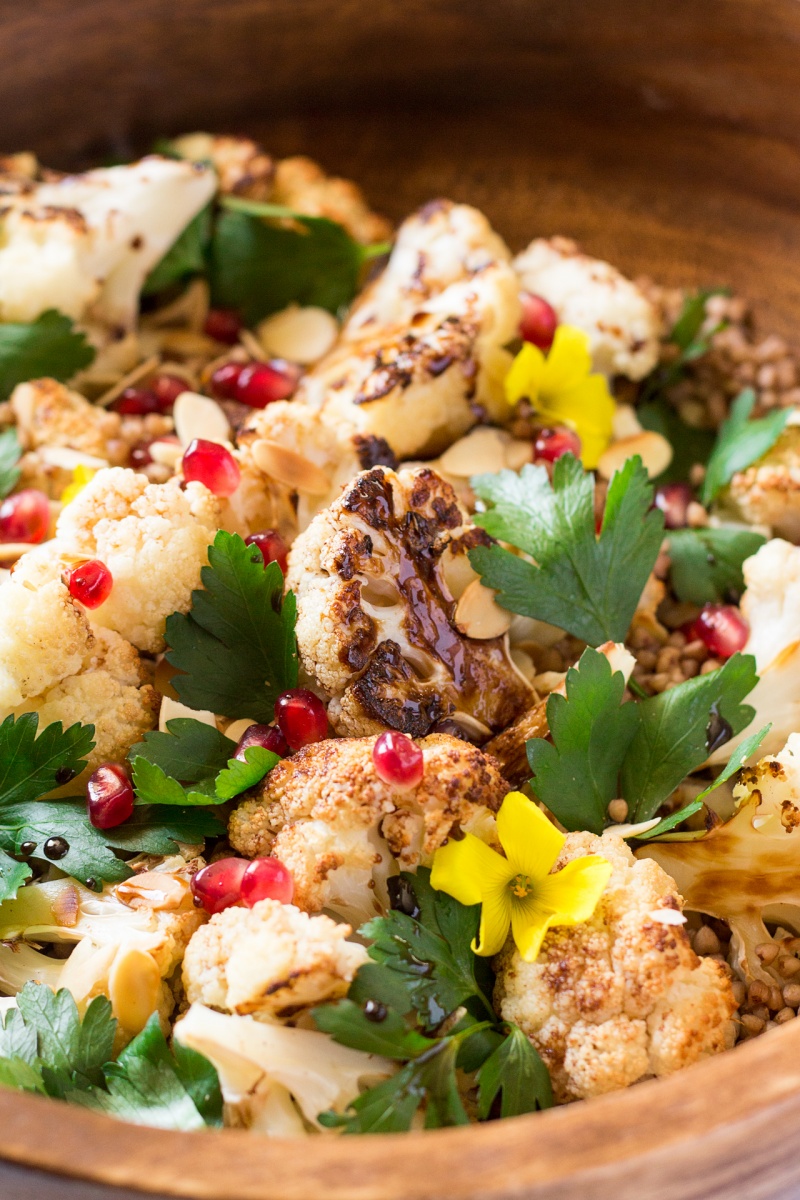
<point>47,346</point>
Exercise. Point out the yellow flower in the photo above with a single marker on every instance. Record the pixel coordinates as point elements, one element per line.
<point>518,891</point>
<point>563,390</point>
<point>80,477</point>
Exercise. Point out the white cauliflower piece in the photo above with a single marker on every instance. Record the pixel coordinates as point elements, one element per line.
<point>44,638</point>
<point>622,324</point>
<point>153,538</point>
<point>622,997</point>
<point>330,819</point>
<point>768,492</point>
<point>84,244</point>
<point>376,619</point>
<point>271,961</point>
<point>277,1079</point>
<point>745,871</point>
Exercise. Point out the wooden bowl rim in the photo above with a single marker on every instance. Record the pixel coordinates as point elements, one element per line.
<point>759,1078</point>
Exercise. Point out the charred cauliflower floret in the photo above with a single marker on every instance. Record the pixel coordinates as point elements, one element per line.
<point>622,997</point>
<point>270,961</point>
<point>377,623</point>
<point>622,324</point>
<point>340,829</point>
<point>768,492</point>
<point>243,167</point>
<point>153,538</point>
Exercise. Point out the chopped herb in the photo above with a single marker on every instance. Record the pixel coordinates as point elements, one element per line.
<point>707,563</point>
<point>584,583</point>
<point>741,442</point>
<point>515,1070</point>
<point>689,445</point>
<point>50,346</point>
<point>10,454</point>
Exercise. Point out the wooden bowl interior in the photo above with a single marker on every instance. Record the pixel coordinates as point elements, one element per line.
<point>663,137</point>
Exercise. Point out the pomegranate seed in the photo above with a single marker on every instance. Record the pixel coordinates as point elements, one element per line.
<point>673,499</point>
<point>397,760</point>
<point>109,796</point>
<point>225,379</point>
<point>268,736</point>
<point>223,325</point>
<point>166,389</point>
<point>213,465</point>
<point>260,384</point>
<point>550,444</point>
<point>90,582</point>
<point>136,402</point>
<point>272,546</point>
<point>25,517</point>
<point>302,717</point>
<point>219,885</point>
<point>267,879</point>
<point>721,628</point>
<point>539,320</point>
<point>140,454</point>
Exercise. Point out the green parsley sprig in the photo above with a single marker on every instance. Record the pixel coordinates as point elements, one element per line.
<point>10,454</point>
<point>740,442</point>
<point>706,563</point>
<point>50,346</point>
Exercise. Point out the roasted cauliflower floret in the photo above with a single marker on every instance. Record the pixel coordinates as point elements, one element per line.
<point>301,184</point>
<point>623,996</point>
<point>622,324</point>
<point>270,961</point>
<point>153,538</point>
<point>84,244</point>
<point>768,492</point>
<point>243,167</point>
<point>44,637</point>
<point>340,829</point>
<point>376,621</point>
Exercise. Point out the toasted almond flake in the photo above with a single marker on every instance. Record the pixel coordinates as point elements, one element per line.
<point>301,335</point>
<point>157,890</point>
<point>523,663</point>
<point>626,831</point>
<point>141,371</point>
<point>170,709</point>
<point>134,982</point>
<point>471,725</point>
<point>667,916</point>
<point>168,454</point>
<point>199,416</point>
<point>252,345</point>
<point>68,459</point>
<point>290,468</point>
<point>190,309</point>
<point>11,551</point>
<point>518,453</point>
<point>482,450</point>
<point>653,449</point>
<point>236,728</point>
<point>186,343</point>
<point>625,422</point>
<point>478,615</point>
<point>458,573</point>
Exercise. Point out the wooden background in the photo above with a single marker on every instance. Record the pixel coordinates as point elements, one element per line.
<point>664,135</point>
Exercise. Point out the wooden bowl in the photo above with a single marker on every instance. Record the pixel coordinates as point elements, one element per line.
<point>664,137</point>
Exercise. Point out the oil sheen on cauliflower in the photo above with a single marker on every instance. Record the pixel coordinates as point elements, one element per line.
<point>623,326</point>
<point>622,997</point>
<point>153,538</point>
<point>375,618</point>
<point>341,830</point>
<point>270,961</point>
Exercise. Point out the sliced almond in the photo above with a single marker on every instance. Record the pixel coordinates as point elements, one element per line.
<point>168,454</point>
<point>136,375</point>
<point>301,335</point>
<point>252,345</point>
<point>134,983</point>
<point>290,468</point>
<point>156,890</point>
<point>199,416</point>
<point>518,453</point>
<point>653,449</point>
<point>524,663</point>
<point>474,728</point>
<point>68,459</point>
<point>170,709</point>
<point>236,728</point>
<point>11,551</point>
<point>478,615</point>
<point>186,343</point>
<point>625,421</point>
<point>189,310</point>
<point>482,450</point>
<point>458,572</point>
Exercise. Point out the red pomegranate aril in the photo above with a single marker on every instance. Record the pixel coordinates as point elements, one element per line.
<point>272,546</point>
<point>90,582</point>
<point>267,879</point>
<point>109,796</point>
<point>225,379</point>
<point>223,325</point>
<point>219,885</point>
<point>25,517</point>
<point>397,760</point>
<point>302,718</point>
<point>211,464</point>
<point>550,444</point>
<point>721,628</point>
<point>673,499</point>
<point>140,454</point>
<point>267,736</point>
<point>539,321</point>
<point>260,384</point>
<point>136,402</point>
<point>166,389</point>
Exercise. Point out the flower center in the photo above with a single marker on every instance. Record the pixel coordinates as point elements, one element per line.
<point>521,886</point>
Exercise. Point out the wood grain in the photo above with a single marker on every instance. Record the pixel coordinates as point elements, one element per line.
<point>665,137</point>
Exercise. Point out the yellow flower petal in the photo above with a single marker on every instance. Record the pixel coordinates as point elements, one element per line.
<point>572,894</point>
<point>529,925</point>
<point>568,361</point>
<point>524,377</point>
<point>496,915</point>
<point>531,842</point>
<point>468,868</point>
<point>80,477</point>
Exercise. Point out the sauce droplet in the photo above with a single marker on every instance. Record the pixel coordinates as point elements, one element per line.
<point>375,1011</point>
<point>718,731</point>
<point>55,848</point>
<point>402,897</point>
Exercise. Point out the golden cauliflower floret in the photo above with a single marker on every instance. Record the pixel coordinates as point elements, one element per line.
<point>153,538</point>
<point>339,828</point>
<point>242,166</point>
<point>376,620</point>
<point>300,183</point>
<point>622,997</point>
<point>44,637</point>
<point>768,492</point>
<point>49,414</point>
<point>270,961</point>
